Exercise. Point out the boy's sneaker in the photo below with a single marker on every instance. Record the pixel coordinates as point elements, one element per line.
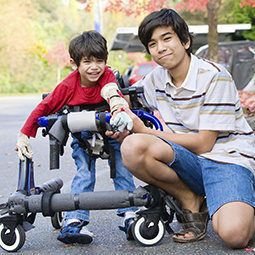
<point>75,231</point>
<point>128,222</point>
<point>127,228</point>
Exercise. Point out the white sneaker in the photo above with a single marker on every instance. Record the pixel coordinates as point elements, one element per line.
<point>85,231</point>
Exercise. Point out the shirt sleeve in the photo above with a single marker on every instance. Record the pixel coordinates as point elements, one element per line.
<point>148,97</point>
<point>218,111</point>
<point>52,103</point>
<point>107,77</point>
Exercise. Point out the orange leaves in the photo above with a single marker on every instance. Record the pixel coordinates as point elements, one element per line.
<point>195,5</point>
<point>192,5</point>
<point>250,3</point>
<point>133,7</point>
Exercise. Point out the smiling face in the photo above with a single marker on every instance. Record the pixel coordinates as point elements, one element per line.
<point>90,70</point>
<point>167,50</point>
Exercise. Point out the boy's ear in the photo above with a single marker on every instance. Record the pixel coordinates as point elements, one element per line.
<point>73,64</point>
<point>187,44</point>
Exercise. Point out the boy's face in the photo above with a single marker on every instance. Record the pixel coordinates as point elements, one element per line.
<point>90,70</point>
<point>166,48</point>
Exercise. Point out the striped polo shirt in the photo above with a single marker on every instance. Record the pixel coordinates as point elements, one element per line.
<point>207,100</point>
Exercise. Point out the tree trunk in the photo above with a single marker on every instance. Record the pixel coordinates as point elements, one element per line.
<point>212,37</point>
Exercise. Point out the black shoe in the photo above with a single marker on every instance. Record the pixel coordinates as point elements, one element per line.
<point>75,232</point>
<point>128,228</point>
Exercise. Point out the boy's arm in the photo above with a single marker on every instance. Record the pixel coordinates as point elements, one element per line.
<point>111,93</point>
<point>50,104</point>
<point>199,143</point>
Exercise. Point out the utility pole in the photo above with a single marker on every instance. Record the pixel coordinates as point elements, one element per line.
<point>98,17</point>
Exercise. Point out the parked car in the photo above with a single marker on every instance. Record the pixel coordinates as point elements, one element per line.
<point>137,72</point>
<point>239,59</point>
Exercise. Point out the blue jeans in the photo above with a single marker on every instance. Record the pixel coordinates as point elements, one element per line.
<point>84,179</point>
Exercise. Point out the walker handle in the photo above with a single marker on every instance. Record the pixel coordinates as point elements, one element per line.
<point>143,115</point>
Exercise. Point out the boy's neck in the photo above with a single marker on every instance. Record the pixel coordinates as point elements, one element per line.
<point>89,85</point>
<point>179,73</point>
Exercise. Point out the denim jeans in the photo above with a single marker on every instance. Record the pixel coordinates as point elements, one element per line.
<point>220,183</point>
<point>84,179</point>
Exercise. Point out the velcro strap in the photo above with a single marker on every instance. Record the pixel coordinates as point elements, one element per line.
<point>46,203</point>
<point>76,201</point>
<point>131,198</point>
<point>102,121</point>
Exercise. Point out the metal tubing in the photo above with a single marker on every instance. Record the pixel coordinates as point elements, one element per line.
<point>102,200</point>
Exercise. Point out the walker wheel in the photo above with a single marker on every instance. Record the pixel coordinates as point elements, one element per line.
<point>57,220</point>
<point>147,233</point>
<point>12,241</point>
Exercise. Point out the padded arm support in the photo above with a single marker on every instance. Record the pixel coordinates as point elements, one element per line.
<point>110,93</point>
<point>73,122</point>
<point>85,120</point>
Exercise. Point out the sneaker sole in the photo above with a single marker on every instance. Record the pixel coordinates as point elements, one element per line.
<point>129,234</point>
<point>75,238</point>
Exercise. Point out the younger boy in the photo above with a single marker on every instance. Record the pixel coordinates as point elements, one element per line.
<point>92,85</point>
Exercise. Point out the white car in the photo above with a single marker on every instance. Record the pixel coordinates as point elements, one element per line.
<point>239,59</point>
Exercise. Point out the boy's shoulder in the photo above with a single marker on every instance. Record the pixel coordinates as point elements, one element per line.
<point>205,64</point>
<point>109,69</point>
<point>159,72</point>
<point>71,78</point>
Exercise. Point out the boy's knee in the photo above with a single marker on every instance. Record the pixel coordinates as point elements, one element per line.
<point>132,152</point>
<point>235,236</point>
<point>130,146</point>
<point>127,147</point>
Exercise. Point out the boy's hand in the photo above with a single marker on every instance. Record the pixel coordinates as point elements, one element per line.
<point>23,147</point>
<point>138,125</point>
<point>119,136</point>
<point>121,121</point>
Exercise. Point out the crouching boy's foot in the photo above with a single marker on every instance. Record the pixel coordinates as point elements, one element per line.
<point>75,231</point>
<point>194,227</point>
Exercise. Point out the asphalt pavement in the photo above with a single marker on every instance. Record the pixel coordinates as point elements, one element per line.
<point>108,239</point>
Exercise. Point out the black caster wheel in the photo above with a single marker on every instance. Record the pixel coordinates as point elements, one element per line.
<point>12,241</point>
<point>57,220</point>
<point>147,233</point>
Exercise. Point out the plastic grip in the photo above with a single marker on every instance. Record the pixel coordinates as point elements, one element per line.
<point>52,185</point>
<point>54,153</point>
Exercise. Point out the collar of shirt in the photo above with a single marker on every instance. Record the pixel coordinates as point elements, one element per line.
<point>189,82</point>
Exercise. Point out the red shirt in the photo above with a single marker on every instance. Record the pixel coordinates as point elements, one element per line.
<point>68,92</point>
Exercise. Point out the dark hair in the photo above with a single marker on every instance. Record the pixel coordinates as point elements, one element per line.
<point>88,44</point>
<point>164,17</point>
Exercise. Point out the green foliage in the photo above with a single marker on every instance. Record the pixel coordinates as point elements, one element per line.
<point>118,60</point>
<point>29,29</point>
<point>4,82</point>
<point>226,12</point>
<point>148,57</point>
<point>245,14</point>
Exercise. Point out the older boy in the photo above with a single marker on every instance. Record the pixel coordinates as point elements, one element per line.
<point>209,149</point>
<point>91,86</point>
